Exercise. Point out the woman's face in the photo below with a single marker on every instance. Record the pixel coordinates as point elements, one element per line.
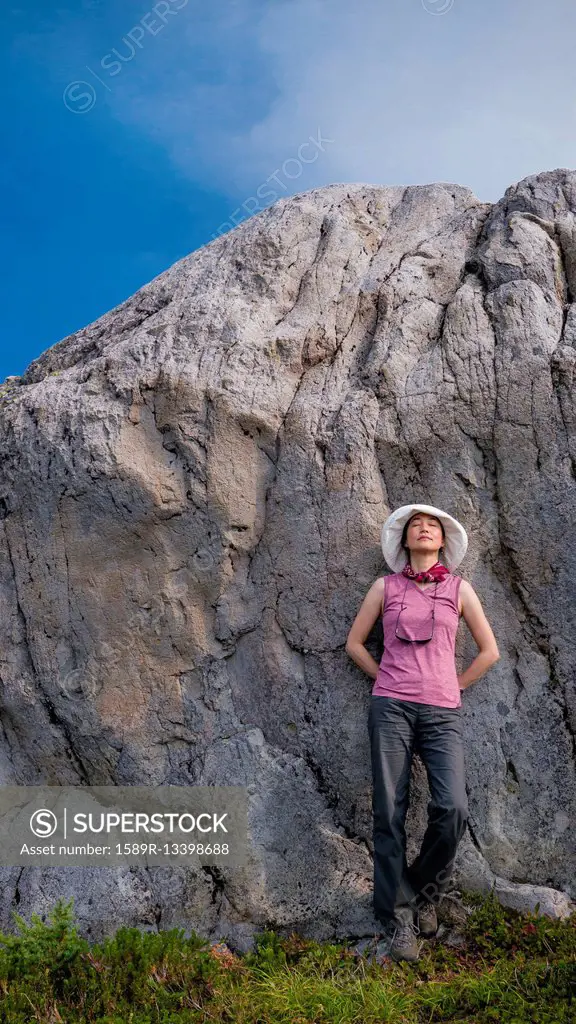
<point>424,533</point>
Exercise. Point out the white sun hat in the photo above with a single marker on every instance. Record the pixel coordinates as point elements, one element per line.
<point>455,543</point>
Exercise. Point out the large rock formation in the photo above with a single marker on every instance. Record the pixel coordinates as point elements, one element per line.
<point>192,490</point>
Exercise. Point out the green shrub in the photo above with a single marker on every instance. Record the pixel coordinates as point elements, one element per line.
<point>44,954</point>
<point>514,969</point>
<point>268,953</point>
<point>141,969</point>
<point>498,931</point>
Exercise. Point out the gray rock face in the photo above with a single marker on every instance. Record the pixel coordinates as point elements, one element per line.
<point>192,490</point>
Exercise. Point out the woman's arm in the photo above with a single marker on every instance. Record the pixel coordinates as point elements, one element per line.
<point>370,609</point>
<point>480,628</point>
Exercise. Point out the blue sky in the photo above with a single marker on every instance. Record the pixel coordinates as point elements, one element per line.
<point>136,131</point>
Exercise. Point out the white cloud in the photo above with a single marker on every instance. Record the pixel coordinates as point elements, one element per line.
<point>482,95</point>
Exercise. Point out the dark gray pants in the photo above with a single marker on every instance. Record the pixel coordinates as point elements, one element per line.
<point>397,729</point>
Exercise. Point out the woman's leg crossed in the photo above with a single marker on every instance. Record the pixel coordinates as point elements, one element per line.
<point>391,725</point>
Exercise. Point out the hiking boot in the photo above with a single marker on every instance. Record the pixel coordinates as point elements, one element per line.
<point>403,945</point>
<point>427,920</point>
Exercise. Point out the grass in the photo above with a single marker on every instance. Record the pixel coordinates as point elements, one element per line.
<point>513,968</point>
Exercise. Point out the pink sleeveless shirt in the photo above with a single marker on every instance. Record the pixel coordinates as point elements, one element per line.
<point>424,673</point>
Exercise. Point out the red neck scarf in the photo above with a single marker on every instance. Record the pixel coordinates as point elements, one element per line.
<point>435,574</point>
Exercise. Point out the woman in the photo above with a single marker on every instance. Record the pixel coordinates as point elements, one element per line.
<point>416,705</point>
